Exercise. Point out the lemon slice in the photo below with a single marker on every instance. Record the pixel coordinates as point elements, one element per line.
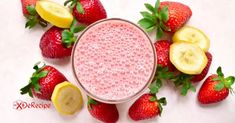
<point>54,13</point>
<point>192,35</point>
<point>67,98</point>
<point>187,57</point>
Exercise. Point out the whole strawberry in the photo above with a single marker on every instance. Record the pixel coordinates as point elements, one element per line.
<point>107,113</point>
<point>146,107</point>
<point>28,9</point>
<point>87,11</point>
<point>43,82</point>
<point>200,77</point>
<point>165,16</point>
<point>215,88</point>
<point>57,42</point>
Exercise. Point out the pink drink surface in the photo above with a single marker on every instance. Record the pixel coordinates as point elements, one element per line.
<point>114,60</point>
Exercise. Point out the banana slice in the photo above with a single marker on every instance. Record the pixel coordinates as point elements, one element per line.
<point>54,13</point>
<point>187,57</point>
<point>67,98</point>
<point>192,35</point>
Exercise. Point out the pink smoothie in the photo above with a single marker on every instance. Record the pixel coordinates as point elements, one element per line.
<point>114,60</point>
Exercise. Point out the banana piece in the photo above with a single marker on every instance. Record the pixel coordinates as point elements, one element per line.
<point>192,35</point>
<point>67,98</point>
<point>188,58</point>
<point>54,13</point>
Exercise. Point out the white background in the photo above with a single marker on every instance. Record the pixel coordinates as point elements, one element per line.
<point>19,50</point>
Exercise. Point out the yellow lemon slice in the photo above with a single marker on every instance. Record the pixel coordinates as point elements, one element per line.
<point>187,57</point>
<point>192,35</point>
<point>67,98</point>
<point>54,13</point>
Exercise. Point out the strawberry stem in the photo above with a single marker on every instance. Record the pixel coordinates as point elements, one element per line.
<point>33,82</point>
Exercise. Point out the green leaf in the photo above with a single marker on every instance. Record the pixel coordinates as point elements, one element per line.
<point>229,81</point>
<point>157,4</point>
<point>79,8</point>
<point>164,14</point>
<point>150,28</point>
<point>184,90</point>
<point>219,86</point>
<point>25,89</point>
<point>219,72</point>
<point>78,29</point>
<point>159,32</point>
<point>164,27</point>
<point>162,101</point>
<point>32,21</point>
<point>153,89</point>
<point>148,16</point>
<point>30,93</point>
<point>150,7</point>
<point>146,23</point>
<point>42,74</point>
<point>68,38</point>
<point>67,1</point>
<point>31,9</point>
<point>192,88</point>
<point>152,99</point>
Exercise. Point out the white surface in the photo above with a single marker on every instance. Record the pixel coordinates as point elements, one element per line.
<point>19,51</point>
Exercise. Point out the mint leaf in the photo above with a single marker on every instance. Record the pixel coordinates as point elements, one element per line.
<point>79,8</point>
<point>164,14</point>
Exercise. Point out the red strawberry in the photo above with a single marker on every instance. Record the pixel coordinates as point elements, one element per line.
<point>215,88</point>
<point>26,3</point>
<point>29,11</point>
<point>162,51</point>
<point>107,113</point>
<point>165,16</point>
<point>200,77</point>
<point>87,11</point>
<point>51,44</point>
<point>57,42</point>
<point>146,107</point>
<point>178,14</point>
<point>43,82</point>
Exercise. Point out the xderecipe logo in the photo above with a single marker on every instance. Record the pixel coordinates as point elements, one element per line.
<point>21,105</point>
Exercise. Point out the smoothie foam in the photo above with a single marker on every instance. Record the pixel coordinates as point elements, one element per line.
<point>114,60</point>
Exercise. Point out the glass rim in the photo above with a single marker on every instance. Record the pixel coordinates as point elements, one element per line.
<point>131,96</point>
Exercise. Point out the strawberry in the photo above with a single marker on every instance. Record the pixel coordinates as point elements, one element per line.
<point>165,16</point>
<point>28,9</point>
<point>87,11</point>
<point>215,88</point>
<point>57,42</point>
<point>162,50</point>
<point>146,107</point>
<point>200,77</point>
<point>43,82</point>
<point>107,113</point>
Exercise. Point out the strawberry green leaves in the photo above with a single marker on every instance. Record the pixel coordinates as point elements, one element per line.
<point>68,37</point>
<point>155,18</point>
<point>223,82</point>
<point>33,18</point>
<point>33,82</point>
<point>74,3</point>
